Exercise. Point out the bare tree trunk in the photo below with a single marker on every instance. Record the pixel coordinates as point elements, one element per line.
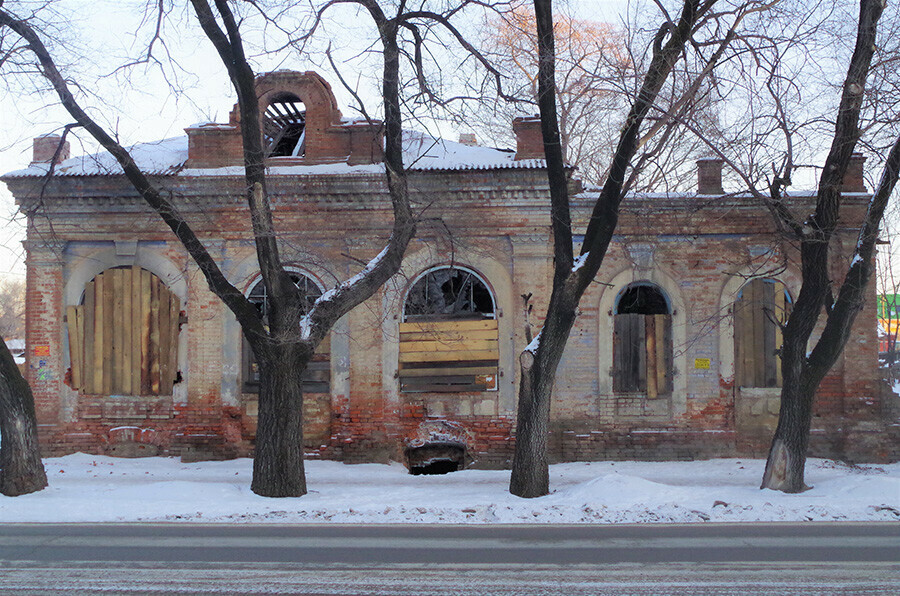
<point>21,469</point>
<point>801,373</point>
<point>530,472</point>
<point>278,457</point>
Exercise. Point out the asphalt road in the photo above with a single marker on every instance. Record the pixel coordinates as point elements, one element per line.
<point>442,560</point>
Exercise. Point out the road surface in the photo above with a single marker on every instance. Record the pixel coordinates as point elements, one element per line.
<point>439,560</point>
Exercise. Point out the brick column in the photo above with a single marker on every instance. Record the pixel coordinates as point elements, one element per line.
<point>44,327</point>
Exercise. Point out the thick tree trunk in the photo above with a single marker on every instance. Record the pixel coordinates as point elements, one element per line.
<point>278,459</point>
<point>21,469</point>
<point>787,455</point>
<point>802,373</point>
<point>531,472</point>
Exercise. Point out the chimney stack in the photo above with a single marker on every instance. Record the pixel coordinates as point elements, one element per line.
<point>529,141</point>
<point>44,147</point>
<point>853,178</point>
<point>709,176</point>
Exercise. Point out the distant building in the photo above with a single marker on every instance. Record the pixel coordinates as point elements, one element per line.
<point>673,355</point>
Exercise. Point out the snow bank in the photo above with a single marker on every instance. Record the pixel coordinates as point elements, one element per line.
<point>88,488</point>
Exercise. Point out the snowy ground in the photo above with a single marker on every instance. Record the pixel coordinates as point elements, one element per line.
<point>88,488</point>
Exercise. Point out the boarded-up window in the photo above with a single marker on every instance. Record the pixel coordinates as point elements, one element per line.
<point>642,343</point>
<point>317,377</point>
<point>449,337</point>
<point>123,338</point>
<point>762,306</point>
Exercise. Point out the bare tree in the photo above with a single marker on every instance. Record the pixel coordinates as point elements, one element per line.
<point>571,277</point>
<point>284,346</point>
<point>783,131</point>
<point>284,343</point>
<point>21,468</point>
<point>803,371</point>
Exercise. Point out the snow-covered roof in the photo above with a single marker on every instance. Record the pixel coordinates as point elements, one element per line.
<point>168,156</point>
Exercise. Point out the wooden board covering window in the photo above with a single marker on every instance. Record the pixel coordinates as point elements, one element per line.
<point>642,354</point>
<point>757,337</point>
<point>316,377</point>
<point>449,356</point>
<point>123,338</point>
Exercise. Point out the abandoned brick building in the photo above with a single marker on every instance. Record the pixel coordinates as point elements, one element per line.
<point>673,354</point>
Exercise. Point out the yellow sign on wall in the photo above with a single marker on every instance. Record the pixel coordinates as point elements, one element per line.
<point>702,363</point>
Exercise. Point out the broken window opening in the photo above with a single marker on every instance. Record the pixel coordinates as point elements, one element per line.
<point>450,293</point>
<point>642,342</point>
<point>284,126</point>
<point>449,338</point>
<point>761,308</point>
<point>317,376</point>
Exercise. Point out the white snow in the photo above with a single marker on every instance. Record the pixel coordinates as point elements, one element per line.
<point>168,156</point>
<point>89,488</point>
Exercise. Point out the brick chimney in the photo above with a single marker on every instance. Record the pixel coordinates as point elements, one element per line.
<point>709,176</point>
<point>468,138</point>
<point>529,141</point>
<point>44,147</point>
<point>853,178</point>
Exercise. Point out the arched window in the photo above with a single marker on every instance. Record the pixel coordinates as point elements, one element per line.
<point>284,126</point>
<point>642,342</point>
<point>123,337</point>
<point>448,337</point>
<point>317,377</point>
<point>761,308</point>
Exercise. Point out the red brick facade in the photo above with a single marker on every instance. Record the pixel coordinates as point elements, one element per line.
<point>698,250</point>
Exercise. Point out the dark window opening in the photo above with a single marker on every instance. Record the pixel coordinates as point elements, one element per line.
<point>642,342</point>
<point>317,376</point>
<point>284,127</point>
<point>449,338</point>
<point>642,299</point>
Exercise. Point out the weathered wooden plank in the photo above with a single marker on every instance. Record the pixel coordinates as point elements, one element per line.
<point>618,372</point>
<point>663,353</point>
<point>768,301</point>
<point>75,345</point>
<point>136,325</point>
<point>450,325</point>
<point>108,324</point>
<point>89,311</point>
<point>154,335</point>
<point>324,346</point>
<point>448,346</point>
<point>118,331</point>
<point>126,331</point>
<point>145,332</point>
<point>781,317</point>
<point>759,341</point>
<point>449,335</point>
<point>650,356</point>
<point>164,339</point>
<point>174,311</point>
<point>446,356</point>
<point>640,351</point>
<point>443,388</point>
<point>438,380</point>
<point>740,339</point>
<point>436,371</point>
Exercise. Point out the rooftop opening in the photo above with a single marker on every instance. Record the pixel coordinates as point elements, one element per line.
<point>284,126</point>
